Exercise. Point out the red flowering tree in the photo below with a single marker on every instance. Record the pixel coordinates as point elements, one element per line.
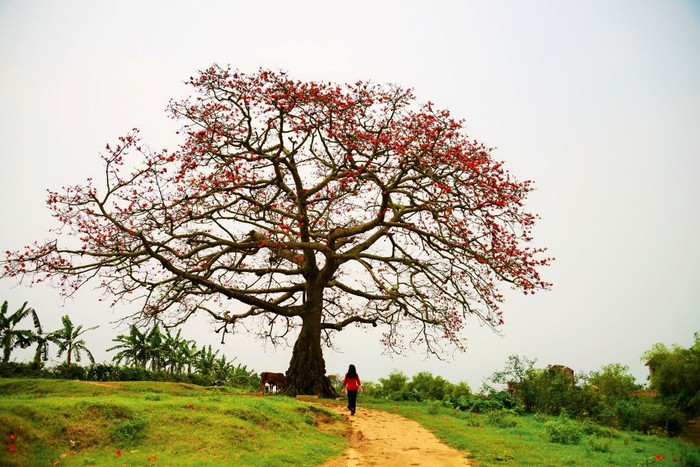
<point>302,206</point>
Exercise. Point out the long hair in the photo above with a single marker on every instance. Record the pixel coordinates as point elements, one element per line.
<point>352,372</point>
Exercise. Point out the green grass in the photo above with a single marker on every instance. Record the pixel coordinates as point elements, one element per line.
<point>153,423</point>
<point>504,439</point>
<point>158,424</point>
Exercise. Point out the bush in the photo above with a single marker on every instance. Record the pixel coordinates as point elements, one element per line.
<point>502,419</point>
<point>483,404</point>
<point>649,417</point>
<point>599,445</point>
<point>71,371</point>
<point>21,370</point>
<point>563,431</point>
<point>433,407</point>
<point>613,383</point>
<point>428,387</point>
<point>457,390</point>
<point>676,374</point>
<point>102,372</point>
<point>129,432</point>
<point>395,386</point>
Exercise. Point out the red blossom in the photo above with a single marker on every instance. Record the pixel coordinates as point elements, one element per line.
<point>287,196</point>
<point>118,452</point>
<point>12,448</point>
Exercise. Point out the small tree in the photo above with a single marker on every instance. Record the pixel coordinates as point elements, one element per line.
<point>394,386</point>
<point>69,340</point>
<point>517,370</point>
<point>205,361</point>
<point>429,386</point>
<point>550,392</point>
<point>613,383</point>
<point>676,374</point>
<point>12,337</point>
<point>132,348</point>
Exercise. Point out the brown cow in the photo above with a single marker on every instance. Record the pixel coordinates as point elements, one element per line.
<point>275,380</point>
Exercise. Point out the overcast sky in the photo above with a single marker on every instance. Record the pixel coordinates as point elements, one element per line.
<point>598,102</point>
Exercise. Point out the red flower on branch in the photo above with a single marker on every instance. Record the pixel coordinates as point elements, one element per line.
<point>328,205</point>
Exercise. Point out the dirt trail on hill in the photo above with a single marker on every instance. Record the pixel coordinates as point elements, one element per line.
<point>382,438</point>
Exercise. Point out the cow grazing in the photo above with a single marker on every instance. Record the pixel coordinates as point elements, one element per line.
<point>275,380</point>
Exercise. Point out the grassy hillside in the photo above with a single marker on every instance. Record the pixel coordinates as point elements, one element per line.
<point>500,438</point>
<point>76,423</point>
<point>59,422</point>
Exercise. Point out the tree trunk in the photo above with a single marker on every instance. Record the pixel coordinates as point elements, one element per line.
<point>307,369</point>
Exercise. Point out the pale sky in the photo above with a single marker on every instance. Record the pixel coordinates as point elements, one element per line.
<point>598,102</point>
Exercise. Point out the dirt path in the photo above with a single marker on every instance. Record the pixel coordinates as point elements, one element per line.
<point>381,438</point>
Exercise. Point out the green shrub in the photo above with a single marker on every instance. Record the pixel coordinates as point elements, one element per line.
<point>600,445</point>
<point>21,370</point>
<point>429,387</point>
<point>71,371</point>
<point>676,374</point>
<point>458,390</point>
<point>394,387</point>
<point>563,431</point>
<point>129,432</point>
<point>433,407</point>
<point>649,417</point>
<point>502,419</point>
<point>595,429</point>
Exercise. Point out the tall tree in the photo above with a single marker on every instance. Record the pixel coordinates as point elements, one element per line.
<point>12,337</point>
<point>69,340</point>
<point>307,207</point>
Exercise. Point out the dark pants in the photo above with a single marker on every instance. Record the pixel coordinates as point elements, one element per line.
<point>352,401</point>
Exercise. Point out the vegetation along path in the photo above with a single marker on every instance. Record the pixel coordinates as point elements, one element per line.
<point>382,438</point>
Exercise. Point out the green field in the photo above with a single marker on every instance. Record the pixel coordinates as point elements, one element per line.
<point>46,422</point>
<point>145,423</point>
<point>501,438</point>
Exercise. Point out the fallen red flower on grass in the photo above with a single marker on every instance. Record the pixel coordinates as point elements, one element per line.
<point>12,438</point>
<point>659,457</point>
<point>12,448</point>
<point>118,452</point>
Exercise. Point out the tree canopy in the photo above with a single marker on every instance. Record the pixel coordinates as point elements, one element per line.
<point>299,204</point>
<point>675,374</point>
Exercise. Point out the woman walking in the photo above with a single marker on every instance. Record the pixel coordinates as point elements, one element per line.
<point>351,384</point>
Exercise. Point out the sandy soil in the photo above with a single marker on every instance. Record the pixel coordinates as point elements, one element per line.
<point>381,438</point>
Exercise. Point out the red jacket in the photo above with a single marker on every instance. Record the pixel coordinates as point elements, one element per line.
<point>351,384</point>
